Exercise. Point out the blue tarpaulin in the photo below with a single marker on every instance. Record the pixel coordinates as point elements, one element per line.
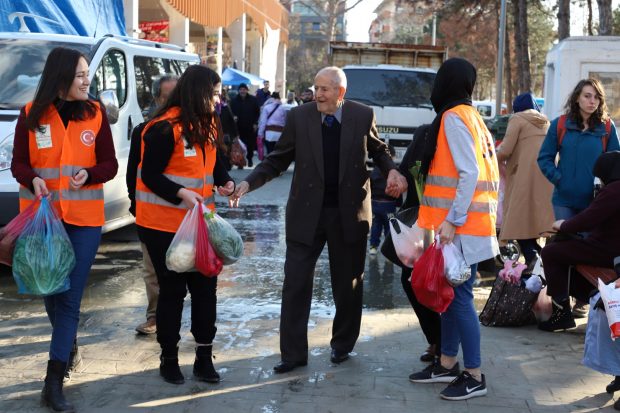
<point>234,77</point>
<point>93,18</point>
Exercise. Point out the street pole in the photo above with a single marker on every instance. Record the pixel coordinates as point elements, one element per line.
<point>500,59</point>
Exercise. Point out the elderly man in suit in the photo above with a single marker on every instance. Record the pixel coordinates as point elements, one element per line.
<point>329,202</point>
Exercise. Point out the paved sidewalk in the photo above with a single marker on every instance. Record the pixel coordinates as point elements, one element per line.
<point>527,370</point>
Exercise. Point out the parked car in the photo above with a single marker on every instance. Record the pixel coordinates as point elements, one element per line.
<point>122,70</point>
<point>486,108</point>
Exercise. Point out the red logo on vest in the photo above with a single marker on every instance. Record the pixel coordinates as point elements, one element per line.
<point>88,137</point>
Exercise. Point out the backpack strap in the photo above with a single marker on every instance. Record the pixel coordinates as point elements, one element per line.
<point>561,129</point>
<point>607,133</point>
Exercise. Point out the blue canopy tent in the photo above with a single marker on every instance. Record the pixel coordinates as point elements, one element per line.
<point>234,77</point>
<point>82,18</point>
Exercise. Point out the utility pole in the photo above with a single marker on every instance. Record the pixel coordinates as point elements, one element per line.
<point>500,59</point>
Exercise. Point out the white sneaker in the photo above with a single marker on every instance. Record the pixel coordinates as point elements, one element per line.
<point>372,251</point>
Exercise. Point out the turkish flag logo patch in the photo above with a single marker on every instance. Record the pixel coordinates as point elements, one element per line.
<point>88,137</point>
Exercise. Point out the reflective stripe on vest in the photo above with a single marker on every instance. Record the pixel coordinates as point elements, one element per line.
<point>440,189</point>
<point>192,170</point>
<point>65,151</point>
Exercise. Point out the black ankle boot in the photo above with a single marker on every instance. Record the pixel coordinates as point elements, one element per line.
<point>203,365</point>
<point>75,361</point>
<point>614,386</point>
<point>561,317</point>
<point>169,366</point>
<point>52,395</point>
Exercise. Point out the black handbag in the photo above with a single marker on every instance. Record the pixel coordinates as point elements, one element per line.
<point>509,305</point>
<point>407,216</point>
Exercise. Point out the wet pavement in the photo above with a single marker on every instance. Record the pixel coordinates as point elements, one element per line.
<point>528,371</point>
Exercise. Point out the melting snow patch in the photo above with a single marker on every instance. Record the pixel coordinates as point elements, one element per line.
<point>317,351</point>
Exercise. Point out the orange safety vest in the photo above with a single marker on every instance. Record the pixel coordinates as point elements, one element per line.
<point>443,178</point>
<point>187,167</point>
<point>57,154</point>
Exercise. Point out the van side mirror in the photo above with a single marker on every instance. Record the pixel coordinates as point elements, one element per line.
<point>110,103</point>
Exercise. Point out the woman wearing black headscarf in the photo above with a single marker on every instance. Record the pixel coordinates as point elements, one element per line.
<point>460,204</point>
<point>601,221</point>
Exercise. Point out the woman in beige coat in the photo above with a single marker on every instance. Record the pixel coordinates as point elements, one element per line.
<point>527,209</point>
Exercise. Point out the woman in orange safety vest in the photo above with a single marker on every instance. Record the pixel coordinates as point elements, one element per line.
<point>460,203</point>
<point>179,167</point>
<point>64,149</point>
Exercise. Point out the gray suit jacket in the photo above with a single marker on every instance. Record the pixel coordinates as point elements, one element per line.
<point>301,141</point>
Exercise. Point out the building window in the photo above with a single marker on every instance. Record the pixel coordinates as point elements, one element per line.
<point>316,26</point>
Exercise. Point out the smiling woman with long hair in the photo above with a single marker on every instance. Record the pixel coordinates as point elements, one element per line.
<point>64,150</point>
<point>179,168</point>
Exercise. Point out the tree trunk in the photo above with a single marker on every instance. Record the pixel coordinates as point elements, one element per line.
<point>590,31</point>
<point>518,38</point>
<point>605,21</point>
<point>508,72</point>
<point>563,19</point>
<point>525,77</point>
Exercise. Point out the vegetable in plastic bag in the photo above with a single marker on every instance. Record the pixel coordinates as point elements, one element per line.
<point>224,238</point>
<point>43,256</point>
<point>457,270</point>
<point>181,254</point>
<point>207,261</point>
<point>408,241</point>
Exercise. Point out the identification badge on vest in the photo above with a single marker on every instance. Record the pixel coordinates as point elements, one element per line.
<point>43,135</point>
<point>188,152</point>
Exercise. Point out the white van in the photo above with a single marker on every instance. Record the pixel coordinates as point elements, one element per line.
<point>400,97</point>
<point>486,109</point>
<point>122,70</point>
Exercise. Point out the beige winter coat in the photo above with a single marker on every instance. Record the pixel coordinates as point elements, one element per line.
<point>527,209</point>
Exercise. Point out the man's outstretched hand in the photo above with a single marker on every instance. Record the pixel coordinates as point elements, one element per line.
<point>242,189</point>
<point>396,184</point>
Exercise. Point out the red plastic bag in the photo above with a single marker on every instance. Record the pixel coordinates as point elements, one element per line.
<point>429,282</point>
<point>12,230</point>
<point>207,262</point>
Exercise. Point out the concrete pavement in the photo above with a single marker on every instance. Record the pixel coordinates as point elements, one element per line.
<point>527,370</point>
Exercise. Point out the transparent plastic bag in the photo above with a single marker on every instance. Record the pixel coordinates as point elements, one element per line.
<point>11,231</point>
<point>207,261</point>
<point>181,254</point>
<point>408,241</point>
<point>225,239</point>
<point>429,282</point>
<point>457,270</point>
<point>43,256</point>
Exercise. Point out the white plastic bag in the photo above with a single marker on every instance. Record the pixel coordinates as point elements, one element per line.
<point>181,254</point>
<point>408,242</point>
<point>456,269</point>
<point>611,299</point>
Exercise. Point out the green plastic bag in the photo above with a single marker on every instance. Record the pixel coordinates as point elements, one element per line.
<point>43,256</point>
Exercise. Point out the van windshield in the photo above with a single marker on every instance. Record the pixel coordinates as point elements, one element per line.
<point>379,87</point>
<point>21,65</point>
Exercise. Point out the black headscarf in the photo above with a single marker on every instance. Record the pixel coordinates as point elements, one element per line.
<point>607,167</point>
<point>453,86</point>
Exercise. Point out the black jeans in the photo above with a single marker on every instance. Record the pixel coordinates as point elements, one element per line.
<point>529,248</point>
<point>173,288</point>
<point>430,321</point>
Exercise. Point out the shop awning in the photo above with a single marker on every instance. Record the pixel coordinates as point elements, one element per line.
<point>221,13</point>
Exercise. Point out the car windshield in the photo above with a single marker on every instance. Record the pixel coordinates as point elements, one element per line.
<point>390,87</point>
<point>21,64</point>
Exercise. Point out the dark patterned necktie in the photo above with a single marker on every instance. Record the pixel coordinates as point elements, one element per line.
<point>329,120</point>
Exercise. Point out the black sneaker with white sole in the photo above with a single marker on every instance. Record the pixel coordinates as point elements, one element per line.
<point>464,387</point>
<point>436,373</point>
